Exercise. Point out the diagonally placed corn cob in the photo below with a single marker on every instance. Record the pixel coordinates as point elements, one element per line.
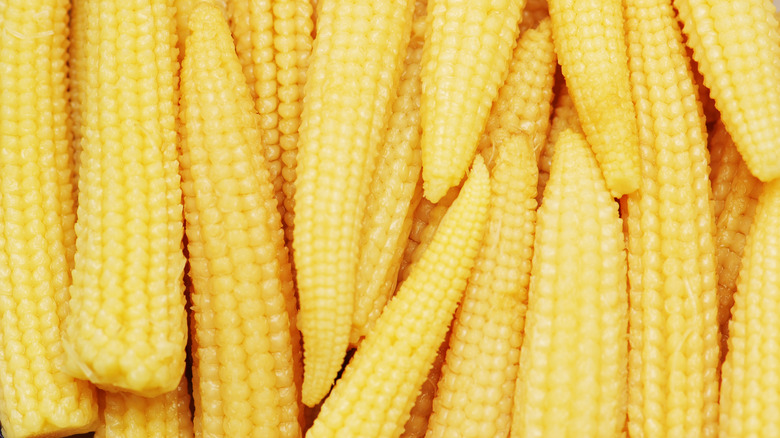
<point>348,94</point>
<point>420,414</point>
<point>468,46</point>
<point>36,225</point>
<point>673,385</point>
<point>127,326</point>
<point>244,376</point>
<point>736,44</point>
<point>590,43</point>
<point>474,396</point>
<point>379,386</point>
<point>572,379</point>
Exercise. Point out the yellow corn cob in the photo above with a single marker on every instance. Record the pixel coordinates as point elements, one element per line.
<point>474,398</point>
<point>183,11</point>
<point>348,89</point>
<point>673,386</point>
<point>36,225</point>
<point>127,325</point>
<point>590,44</point>
<point>565,117</point>
<point>76,79</point>
<point>124,415</point>
<point>572,379</point>
<point>244,378</point>
<point>467,52</point>
<point>731,225</point>
<point>748,400</point>
<point>293,27</point>
<point>524,102</point>
<point>724,162</point>
<point>374,396</point>
<point>417,424</point>
<point>736,44</point>
<point>386,225</point>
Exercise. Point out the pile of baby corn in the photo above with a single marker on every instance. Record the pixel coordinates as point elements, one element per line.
<point>389,218</point>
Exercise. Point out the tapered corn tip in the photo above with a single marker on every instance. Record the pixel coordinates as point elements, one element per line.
<point>203,19</point>
<point>434,188</point>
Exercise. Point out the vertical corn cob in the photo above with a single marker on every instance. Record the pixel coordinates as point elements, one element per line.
<point>474,398</point>
<point>183,10</point>
<point>379,386</point>
<point>124,415</point>
<point>565,117</point>
<point>417,424</point>
<point>468,46</point>
<point>736,44</point>
<point>724,162</point>
<point>36,225</point>
<point>245,383</point>
<point>749,392</point>
<point>348,89</point>
<point>524,102</point>
<point>572,379</point>
<point>590,43</point>
<point>386,225</point>
<point>673,386</point>
<point>127,325</point>
<point>76,80</point>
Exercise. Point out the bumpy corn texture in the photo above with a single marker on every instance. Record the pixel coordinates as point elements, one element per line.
<point>572,379</point>
<point>724,162</point>
<point>348,96</point>
<point>732,225</point>
<point>183,10</point>
<point>36,225</point>
<point>386,225</point>
<point>379,386</point>
<point>524,102</point>
<point>244,376</point>
<point>124,415</point>
<point>673,384</point>
<point>468,46</point>
<point>749,391</point>
<point>77,57</point>
<point>417,424</point>
<point>565,117</point>
<point>590,43</point>
<point>474,397</point>
<point>736,45</point>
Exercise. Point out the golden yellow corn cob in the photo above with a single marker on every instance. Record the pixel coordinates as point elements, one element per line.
<point>524,102</point>
<point>36,225</point>
<point>183,10</point>
<point>468,46</point>
<point>474,397</point>
<point>724,162</point>
<point>77,66</point>
<point>748,400</point>
<point>591,48</point>
<point>673,385</point>
<point>379,386</point>
<point>244,375</point>
<point>736,44</point>
<point>348,89</point>
<point>732,224</point>
<point>386,224</point>
<point>124,415</point>
<point>417,424</point>
<point>565,117</point>
<point>572,379</point>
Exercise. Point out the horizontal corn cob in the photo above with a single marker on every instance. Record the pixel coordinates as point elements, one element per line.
<point>348,90</point>
<point>468,46</point>
<point>673,386</point>
<point>417,424</point>
<point>379,386</point>
<point>36,225</point>
<point>474,396</point>
<point>590,43</point>
<point>736,44</point>
<point>565,117</point>
<point>245,353</point>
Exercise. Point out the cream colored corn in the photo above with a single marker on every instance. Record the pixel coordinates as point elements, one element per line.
<point>591,48</point>
<point>474,396</point>
<point>736,44</point>
<point>565,117</point>
<point>386,226</point>
<point>244,376</point>
<point>124,415</point>
<point>465,60</point>
<point>36,225</point>
<point>572,378</point>
<point>417,424</point>
<point>673,385</point>
<point>348,89</point>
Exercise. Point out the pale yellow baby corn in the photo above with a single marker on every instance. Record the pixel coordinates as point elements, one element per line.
<point>36,225</point>
<point>565,117</point>
<point>590,43</point>
<point>379,386</point>
<point>673,384</point>
<point>417,424</point>
<point>468,46</point>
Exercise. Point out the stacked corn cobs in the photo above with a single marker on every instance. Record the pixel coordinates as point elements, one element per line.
<point>386,218</point>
